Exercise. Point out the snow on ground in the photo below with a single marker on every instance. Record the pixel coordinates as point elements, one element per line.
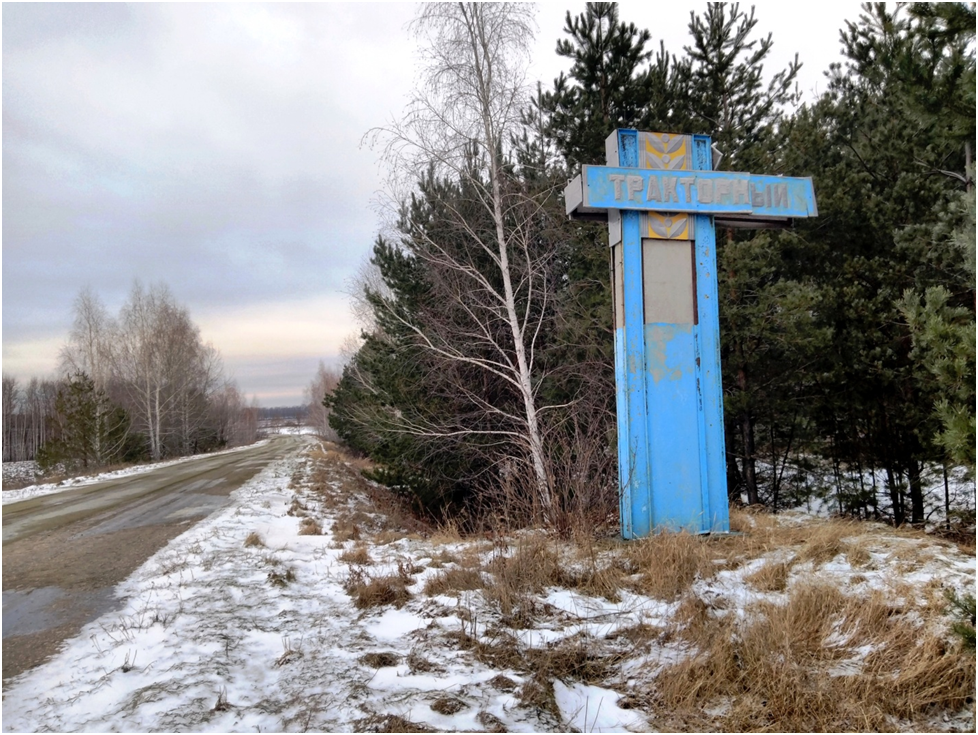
<point>292,430</point>
<point>33,491</point>
<point>20,472</point>
<point>219,636</point>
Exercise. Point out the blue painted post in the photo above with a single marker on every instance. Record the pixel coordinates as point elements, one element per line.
<point>660,198</point>
<point>633,442</point>
<point>667,446</point>
<point>717,516</point>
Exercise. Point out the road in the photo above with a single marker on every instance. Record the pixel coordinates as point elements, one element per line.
<point>63,554</point>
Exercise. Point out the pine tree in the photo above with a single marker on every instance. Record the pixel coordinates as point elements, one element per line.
<point>613,82</point>
<point>91,431</point>
<point>943,328</point>
<point>728,99</point>
<point>876,160</point>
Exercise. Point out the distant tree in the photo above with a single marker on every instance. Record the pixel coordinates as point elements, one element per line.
<point>317,412</point>
<point>164,371</point>
<point>90,431</point>
<point>90,341</point>
<point>11,402</point>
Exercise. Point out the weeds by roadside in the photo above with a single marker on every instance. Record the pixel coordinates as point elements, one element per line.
<point>792,649</point>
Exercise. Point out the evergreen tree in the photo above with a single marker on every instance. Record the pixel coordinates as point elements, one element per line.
<point>428,395</point>
<point>728,99</point>
<point>613,82</point>
<point>389,385</point>
<point>91,431</point>
<point>943,328</point>
<point>876,160</point>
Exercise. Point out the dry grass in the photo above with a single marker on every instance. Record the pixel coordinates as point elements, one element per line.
<point>600,573</point>
<point>282,578</point>
<point>772,577</point>
<point>345,528</point>
<point>669,563</point>
<point>826,542</point>
<point>454,580</point>
<point>420,665</point>
<point>447,533</point>
<point>441,559</point>
<point>310,527</point>
<point>576,658</point>
<point>380,660</point>
<point>503,683</point>
<point>779,670</point>
<point>599,580</point>
<point>490,722</point>
<point>387,536</point>
<point>538,693</point>
<point>367,591</point>
<point>254,539</point>
<point>858,553</point>
<point>820,658</point>
<point>637,635</point>
<point>518,577</point>
<point>357,556</point>
<point>389,723</point>
<point>447,705</point>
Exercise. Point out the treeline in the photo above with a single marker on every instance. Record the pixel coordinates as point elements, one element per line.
<point>485,379</point>
<point>141,385</point>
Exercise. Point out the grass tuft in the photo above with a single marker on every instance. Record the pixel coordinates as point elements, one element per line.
<point>358,556</point>
<point>310,527</point>
<point>826,542</point>
<point>669,563</point>
<point>368,592</point>
<point>772,577</point>
<point>447,705</point>
<point>380,660</point>
<point>283,578</point>
<point>389,723</point>
<point>254,539</point>
<point>454,580</point>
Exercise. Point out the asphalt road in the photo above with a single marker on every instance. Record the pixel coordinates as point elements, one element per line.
<point>64,553</point>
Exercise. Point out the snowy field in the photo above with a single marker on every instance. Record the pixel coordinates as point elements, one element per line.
<point>247,622</point>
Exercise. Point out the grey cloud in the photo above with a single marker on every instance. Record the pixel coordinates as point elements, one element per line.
<point>212,147</point>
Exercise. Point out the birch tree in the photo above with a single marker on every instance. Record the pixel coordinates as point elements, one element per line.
<point>483,262</point>
<point>10,402</point>
<point>317,413</point>
<point>89,347</point>
<point>165,370</point>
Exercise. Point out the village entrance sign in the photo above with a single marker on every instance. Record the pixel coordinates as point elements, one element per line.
<point>662,202</point>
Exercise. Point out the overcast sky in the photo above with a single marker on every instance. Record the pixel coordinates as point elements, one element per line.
<point>217,149</point>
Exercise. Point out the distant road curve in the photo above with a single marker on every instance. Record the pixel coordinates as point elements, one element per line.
<point>64,553</point>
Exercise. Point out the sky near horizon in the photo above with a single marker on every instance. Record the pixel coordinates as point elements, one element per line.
<point>217,148</point>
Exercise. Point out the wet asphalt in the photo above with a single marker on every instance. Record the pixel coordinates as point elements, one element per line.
<point>63,554</point>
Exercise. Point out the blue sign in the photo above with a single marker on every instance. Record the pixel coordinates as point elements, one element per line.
<point>698,192</point>
<point>661,198</point>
